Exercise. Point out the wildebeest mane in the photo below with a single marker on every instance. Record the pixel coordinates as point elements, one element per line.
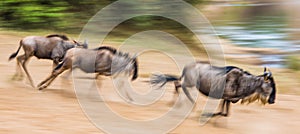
<point>111,49</point>
<point>64,37</point>
<point>227,69</point>
<point>114,51</point>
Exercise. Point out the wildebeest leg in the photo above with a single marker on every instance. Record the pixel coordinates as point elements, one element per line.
<point>19,75</point>
<point>176,92</point>
<point>225,104</point>
<point>227,108</point>
<point>97,75</point>
<point>222,108</point>
<point>67,74</point>
<point>121,84</point>
<point>55,63</point>
<point>177,85</point>
<point>128,96</point>
<point>50,79</point>
<point>44,81</point>
<point>187,93</point>
<point>126,91</point>
<point>26,71</point>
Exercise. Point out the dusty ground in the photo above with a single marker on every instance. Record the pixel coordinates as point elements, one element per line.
<point>56,110</point>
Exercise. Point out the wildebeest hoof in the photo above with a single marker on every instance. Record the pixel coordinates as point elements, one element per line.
<point>224,115</point>
<point>214,114</point>
<point>208,114</point>
<point>41,87</point>
<point>219,114</point>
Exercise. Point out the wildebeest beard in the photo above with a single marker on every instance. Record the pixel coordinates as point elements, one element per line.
<point>255,96</point>
<point>250,83</point>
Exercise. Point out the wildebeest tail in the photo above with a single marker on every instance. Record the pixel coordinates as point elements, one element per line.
<point>59,66</point>
<point>16,53</point>
<point>162,79</point>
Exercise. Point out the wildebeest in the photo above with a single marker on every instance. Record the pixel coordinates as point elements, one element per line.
<point>103,61</point>
<point>212,81</point>
<point>51,47</point>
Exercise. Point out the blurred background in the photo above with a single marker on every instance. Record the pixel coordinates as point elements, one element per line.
<point>255,33</point>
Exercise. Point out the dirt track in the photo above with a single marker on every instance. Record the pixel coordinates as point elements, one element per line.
<point>56,109</point>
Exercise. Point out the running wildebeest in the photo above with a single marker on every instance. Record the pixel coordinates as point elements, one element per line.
<point>51,47</point>
<point>212,81</point>
<point>103,61</point>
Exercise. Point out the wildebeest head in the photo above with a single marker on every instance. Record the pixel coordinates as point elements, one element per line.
<point>81,45</point>
<point>269,87</point>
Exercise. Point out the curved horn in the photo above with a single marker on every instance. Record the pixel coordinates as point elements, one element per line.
<point>75,41</point>
<point>269,71</point>
<point>85,43</point>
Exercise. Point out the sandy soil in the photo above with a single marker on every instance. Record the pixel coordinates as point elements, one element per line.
<point>56,109</point>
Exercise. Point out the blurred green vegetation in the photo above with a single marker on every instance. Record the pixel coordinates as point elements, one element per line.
<point>59,15</point>
<point>293,62</point>
<point>56,15</point>
<point>70,16</point>
<point>139,24</point>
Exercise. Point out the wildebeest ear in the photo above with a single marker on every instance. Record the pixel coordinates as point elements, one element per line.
<point>265,69</point>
